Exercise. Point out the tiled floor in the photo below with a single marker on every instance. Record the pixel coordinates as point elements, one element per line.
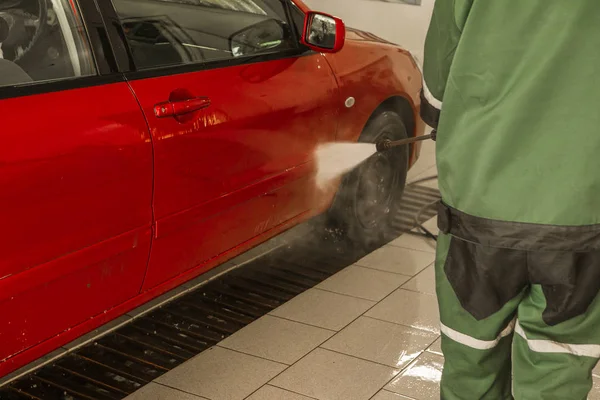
<point>370,332</point>
<point>362,334</point>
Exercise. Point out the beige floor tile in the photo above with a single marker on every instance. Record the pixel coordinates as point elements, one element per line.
<point>436,347</point>
<point>382,342</point>
<point>326,375</point>
<point>397,260</point>
<point>221,374</point>
<point>414,242</point>
<point>365,283</point>
<point>424,282</point>
<point>153,391</point>
<point>427,170</point>
<point>418,171</point>
<point>430,225</point>
<point>595,393</point>
<point>277,339</point>
<point>425,166</point>
<point>274,393</point>
<point>323,309</point>
<point>385,395</point>
<point>408,308</point>
<point>422,380</point>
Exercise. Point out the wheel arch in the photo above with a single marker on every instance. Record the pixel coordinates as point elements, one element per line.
<point>403,107</point>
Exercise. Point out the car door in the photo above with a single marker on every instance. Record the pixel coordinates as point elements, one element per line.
<point>75,179</point>
<point>235,107</point>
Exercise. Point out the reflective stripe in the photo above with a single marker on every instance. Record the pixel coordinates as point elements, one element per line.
<point>476,343</point>
<point>549,346</point>
<point>435,103</point>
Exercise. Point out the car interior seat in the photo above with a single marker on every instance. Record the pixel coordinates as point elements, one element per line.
<point>12,74</point>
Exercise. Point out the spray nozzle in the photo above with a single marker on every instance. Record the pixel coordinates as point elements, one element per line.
<point>387,144</point>
<point>384,145</point>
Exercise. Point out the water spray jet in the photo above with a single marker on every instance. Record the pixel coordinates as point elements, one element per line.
<point>335,159</point>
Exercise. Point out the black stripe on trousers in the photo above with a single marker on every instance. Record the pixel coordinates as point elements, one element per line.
<point>490,262</point>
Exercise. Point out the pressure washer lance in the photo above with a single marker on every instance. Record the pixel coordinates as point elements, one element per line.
<point>389,144</point>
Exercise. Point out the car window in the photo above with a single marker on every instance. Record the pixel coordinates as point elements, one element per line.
<point>42,40</point>
<point>172,32</point>
<point>298,17</point>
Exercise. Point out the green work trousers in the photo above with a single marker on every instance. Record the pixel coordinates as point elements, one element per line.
<point>516,323</point>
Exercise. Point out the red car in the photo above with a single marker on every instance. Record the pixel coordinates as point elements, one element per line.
<point>144,142</point>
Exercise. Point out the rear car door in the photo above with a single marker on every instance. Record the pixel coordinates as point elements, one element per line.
<point>236,107</point>
<point>75,178</point>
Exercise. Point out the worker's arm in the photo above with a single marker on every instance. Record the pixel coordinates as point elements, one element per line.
<point>445,29</point>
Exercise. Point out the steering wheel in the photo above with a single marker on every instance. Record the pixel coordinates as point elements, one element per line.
<point>8,4</point>
<point>15,13</point>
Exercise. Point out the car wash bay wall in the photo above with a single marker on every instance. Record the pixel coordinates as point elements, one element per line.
<point>404,24</point>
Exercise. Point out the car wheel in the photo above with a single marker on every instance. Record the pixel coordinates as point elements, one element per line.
<point>369,197</point>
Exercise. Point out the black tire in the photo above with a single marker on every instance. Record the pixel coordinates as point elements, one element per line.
<point>369,197</point>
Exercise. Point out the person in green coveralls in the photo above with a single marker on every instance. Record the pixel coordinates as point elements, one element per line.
<point>513,88</point>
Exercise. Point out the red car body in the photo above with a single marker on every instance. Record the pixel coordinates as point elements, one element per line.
<point>104,206</point>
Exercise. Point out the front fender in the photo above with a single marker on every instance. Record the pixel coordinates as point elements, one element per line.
<point>372,73</point>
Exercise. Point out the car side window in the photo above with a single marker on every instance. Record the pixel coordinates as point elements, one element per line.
<point>298,17</point>
<point>174,32</point>
<point>42,40</point>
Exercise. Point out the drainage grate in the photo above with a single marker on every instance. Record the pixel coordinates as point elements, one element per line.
<point>121,362</point>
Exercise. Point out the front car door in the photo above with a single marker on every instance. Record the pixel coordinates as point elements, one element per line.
<point>75,179</point>
<point>235,107</point>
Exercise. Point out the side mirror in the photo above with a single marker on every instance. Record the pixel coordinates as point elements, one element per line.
<point>323,33</point>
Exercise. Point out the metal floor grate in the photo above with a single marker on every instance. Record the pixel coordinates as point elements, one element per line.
<point>121,362</point>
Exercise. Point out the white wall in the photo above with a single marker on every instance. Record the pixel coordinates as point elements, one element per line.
<point>403,24</point>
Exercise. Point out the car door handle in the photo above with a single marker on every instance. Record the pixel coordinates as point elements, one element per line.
<point>176,108</point>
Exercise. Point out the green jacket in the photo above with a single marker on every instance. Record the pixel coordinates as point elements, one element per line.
<point>518,85</point>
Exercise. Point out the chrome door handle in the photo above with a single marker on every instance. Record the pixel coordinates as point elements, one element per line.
<point>176,108</point>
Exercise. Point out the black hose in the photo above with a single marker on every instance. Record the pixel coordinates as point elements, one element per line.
<point>422,209</point>
<point>420,224</point>
<point>428,233</point>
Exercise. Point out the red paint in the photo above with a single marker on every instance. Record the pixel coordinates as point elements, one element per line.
<point>180,108</point>
<point>71,334</point>
<point>218,175</point>
<point>372,71</point>
<point>232,170</point>
<point>75,207</point>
